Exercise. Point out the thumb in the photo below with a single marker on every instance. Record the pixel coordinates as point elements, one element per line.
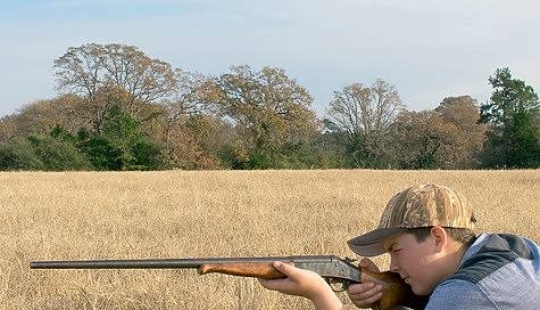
<point>286,269</point>
<point>368,264</point>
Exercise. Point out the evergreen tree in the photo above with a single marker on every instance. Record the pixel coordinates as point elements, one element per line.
<point>513,140</point>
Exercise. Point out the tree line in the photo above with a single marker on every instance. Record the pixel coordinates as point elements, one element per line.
<point>119,109</point>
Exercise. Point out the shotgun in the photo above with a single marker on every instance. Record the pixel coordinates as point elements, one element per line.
<point>339,273</point>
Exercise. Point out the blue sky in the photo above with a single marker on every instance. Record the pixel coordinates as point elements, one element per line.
<point>428,49</point>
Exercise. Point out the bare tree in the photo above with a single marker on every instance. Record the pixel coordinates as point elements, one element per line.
<point>186,100</point>
<point>358,109</point>
<point>98,73</point>
<point>365,114</point>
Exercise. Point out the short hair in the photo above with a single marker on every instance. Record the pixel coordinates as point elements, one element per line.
<point>464,236</point>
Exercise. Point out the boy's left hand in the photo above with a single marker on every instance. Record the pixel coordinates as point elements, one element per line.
<point>306,283</point>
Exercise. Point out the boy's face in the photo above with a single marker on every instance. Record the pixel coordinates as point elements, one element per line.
<point>418,263</point>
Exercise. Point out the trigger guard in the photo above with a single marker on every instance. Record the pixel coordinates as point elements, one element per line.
<point>337,285</point>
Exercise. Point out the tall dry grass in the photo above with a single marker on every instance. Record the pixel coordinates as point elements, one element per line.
<point>174,214</point>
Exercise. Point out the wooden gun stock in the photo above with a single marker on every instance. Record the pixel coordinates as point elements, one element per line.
<point>395,290</point>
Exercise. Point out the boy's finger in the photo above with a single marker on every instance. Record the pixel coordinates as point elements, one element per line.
<point>368,264</point>
<point>284,268</point>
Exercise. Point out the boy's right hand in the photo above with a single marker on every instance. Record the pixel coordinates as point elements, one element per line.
<point>363,295</point>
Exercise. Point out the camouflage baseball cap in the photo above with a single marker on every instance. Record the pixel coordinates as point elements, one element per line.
<point>414,207</point>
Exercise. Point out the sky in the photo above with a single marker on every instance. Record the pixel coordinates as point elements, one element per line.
<point>429,49</point>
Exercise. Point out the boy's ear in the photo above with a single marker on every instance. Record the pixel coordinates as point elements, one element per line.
<point>440,236</point>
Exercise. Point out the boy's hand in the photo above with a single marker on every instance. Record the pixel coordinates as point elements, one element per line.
<point>306,283</point>
<point>363,295</point>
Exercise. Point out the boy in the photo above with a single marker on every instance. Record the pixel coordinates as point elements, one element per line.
<point>428,232</point>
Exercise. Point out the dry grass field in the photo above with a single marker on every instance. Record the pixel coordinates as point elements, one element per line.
<point>178,214</point>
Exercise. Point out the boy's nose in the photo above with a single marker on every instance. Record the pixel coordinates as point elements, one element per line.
<point>394,266</point>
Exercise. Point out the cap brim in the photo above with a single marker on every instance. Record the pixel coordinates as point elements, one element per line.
<point>371,243</point>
